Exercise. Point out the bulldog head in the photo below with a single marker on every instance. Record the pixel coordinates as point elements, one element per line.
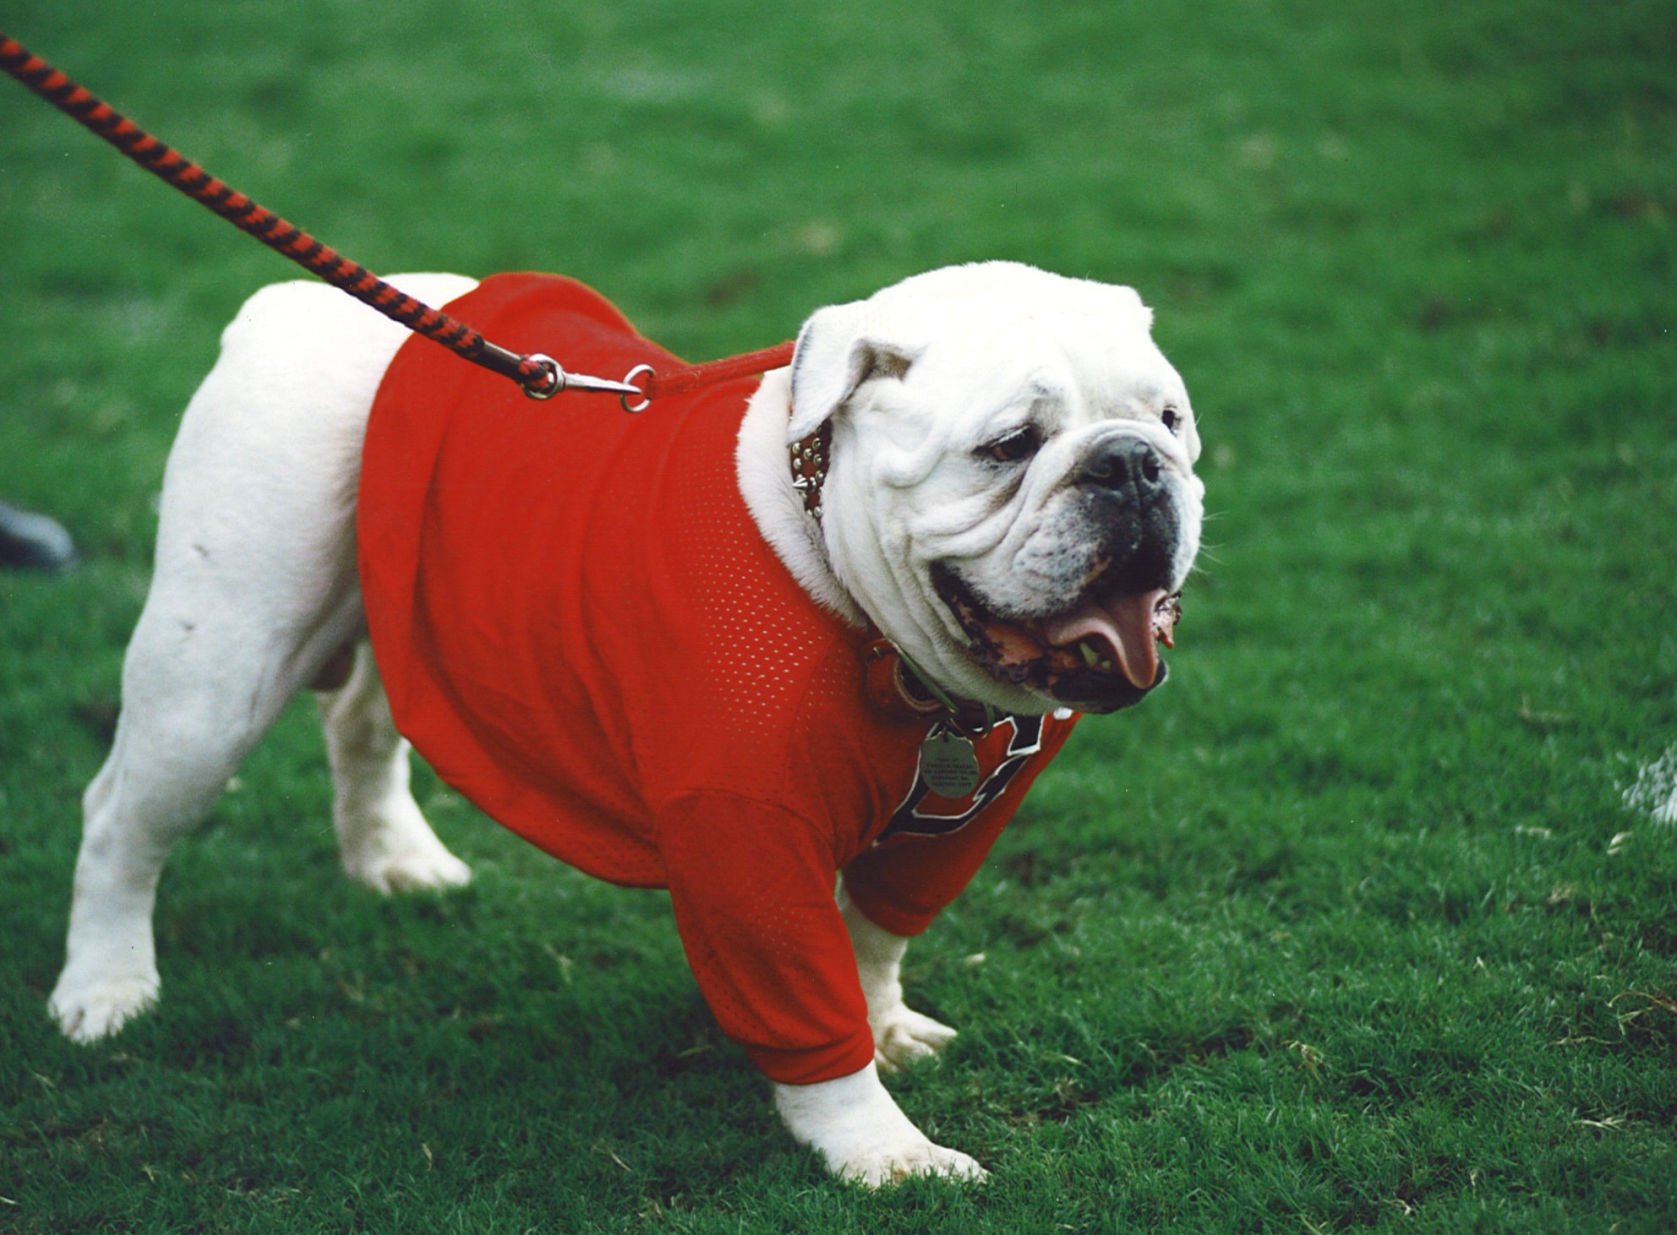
<point>1010,493</point>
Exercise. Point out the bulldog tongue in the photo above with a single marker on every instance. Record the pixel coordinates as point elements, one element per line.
<point>1125,624</point>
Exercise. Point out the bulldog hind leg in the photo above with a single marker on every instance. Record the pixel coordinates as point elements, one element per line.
<point>254,589</point>
<point>383,837</point>
<point>187,722</point>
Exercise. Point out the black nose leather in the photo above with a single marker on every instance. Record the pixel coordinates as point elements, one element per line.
<point>1124,463</point>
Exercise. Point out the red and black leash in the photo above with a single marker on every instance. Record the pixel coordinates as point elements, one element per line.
<point>540,376</point>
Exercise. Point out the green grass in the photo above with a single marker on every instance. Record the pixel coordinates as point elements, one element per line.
<point>1350,927</point>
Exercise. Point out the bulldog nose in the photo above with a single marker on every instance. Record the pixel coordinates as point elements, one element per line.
<point>1124,463</point>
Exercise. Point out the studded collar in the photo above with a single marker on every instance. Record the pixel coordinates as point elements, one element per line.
<point>809,466</point>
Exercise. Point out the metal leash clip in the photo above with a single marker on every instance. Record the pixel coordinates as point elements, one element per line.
<point>558,381</point>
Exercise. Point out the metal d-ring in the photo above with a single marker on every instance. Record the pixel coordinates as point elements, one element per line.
<point>640,370</point>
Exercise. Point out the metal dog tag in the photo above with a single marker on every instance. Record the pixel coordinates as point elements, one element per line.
<point>948,764</point>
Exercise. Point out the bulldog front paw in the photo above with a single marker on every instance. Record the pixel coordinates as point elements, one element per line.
<point>861,1133</point>
<point>87,1011</point>
<point>903,1036</point>
<point>875,1168</point>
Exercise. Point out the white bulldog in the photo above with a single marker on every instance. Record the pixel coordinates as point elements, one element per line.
<point>1006,495</point>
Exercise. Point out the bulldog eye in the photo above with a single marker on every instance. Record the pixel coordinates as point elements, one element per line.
<point>1171,419</point>
<point>1017,445</point>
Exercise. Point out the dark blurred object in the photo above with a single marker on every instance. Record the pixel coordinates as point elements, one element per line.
<point>33,542</point>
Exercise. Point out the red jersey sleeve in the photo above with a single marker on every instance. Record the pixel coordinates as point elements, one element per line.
<point>921,862</point>
<point>752,886</point>
<point>903,883</point>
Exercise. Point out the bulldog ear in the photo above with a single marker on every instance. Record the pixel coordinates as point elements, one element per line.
<point>833,359</point>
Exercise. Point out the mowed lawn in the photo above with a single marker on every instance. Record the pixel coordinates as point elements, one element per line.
<point>1367,920</point>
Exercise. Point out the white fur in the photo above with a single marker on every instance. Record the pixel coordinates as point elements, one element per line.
<point>901,1036</point>
<point>862,1134</point>
<point>777,508</point>
<point>255,590</point>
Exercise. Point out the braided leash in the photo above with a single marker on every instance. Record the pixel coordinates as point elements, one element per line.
<point>540,376</point>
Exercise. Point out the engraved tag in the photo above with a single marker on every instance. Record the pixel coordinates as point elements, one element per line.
<point>948,764</point>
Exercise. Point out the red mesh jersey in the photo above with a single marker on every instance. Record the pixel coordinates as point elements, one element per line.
<point>582,630</point>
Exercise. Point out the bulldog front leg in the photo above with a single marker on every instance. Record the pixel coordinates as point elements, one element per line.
<point>901,1036</point>
<point>863,1135</point>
